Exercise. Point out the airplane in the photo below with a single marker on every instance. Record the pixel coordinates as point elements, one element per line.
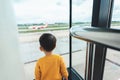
<point>38,27</point>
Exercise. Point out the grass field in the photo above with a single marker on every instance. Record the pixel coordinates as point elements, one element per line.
<point>23,28</point>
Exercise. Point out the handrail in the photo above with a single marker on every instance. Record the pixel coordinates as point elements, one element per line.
<point>106,37</point>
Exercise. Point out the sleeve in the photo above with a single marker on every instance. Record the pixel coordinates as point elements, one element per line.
<point>63,68</point>
<point>37,72</point>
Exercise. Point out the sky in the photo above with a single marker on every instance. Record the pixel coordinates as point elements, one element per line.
<point>51,11</point>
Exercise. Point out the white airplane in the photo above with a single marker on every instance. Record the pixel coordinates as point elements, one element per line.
<point>38,27</point>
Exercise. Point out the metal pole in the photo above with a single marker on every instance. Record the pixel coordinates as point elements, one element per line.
<point>70,40</point>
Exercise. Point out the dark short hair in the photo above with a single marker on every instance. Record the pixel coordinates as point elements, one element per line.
<point>47,41</point>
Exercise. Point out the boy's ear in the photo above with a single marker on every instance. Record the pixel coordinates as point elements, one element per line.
<point>41,48</point>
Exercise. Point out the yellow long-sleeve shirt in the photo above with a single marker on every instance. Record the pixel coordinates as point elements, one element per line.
<point>50,67</point>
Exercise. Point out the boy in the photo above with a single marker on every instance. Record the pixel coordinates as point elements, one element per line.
<point>51,66</point>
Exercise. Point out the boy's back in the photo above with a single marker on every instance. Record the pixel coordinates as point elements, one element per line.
<point>52,67</point>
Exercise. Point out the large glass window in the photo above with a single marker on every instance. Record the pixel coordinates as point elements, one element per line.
<point>112,63</point>
<point>81,17</point>
<point>116,15</point>
<point>35,17</point>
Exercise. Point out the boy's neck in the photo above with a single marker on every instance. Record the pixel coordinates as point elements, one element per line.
<point>48,53</point>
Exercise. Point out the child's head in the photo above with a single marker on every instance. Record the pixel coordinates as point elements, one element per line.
<point>47,41</point>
